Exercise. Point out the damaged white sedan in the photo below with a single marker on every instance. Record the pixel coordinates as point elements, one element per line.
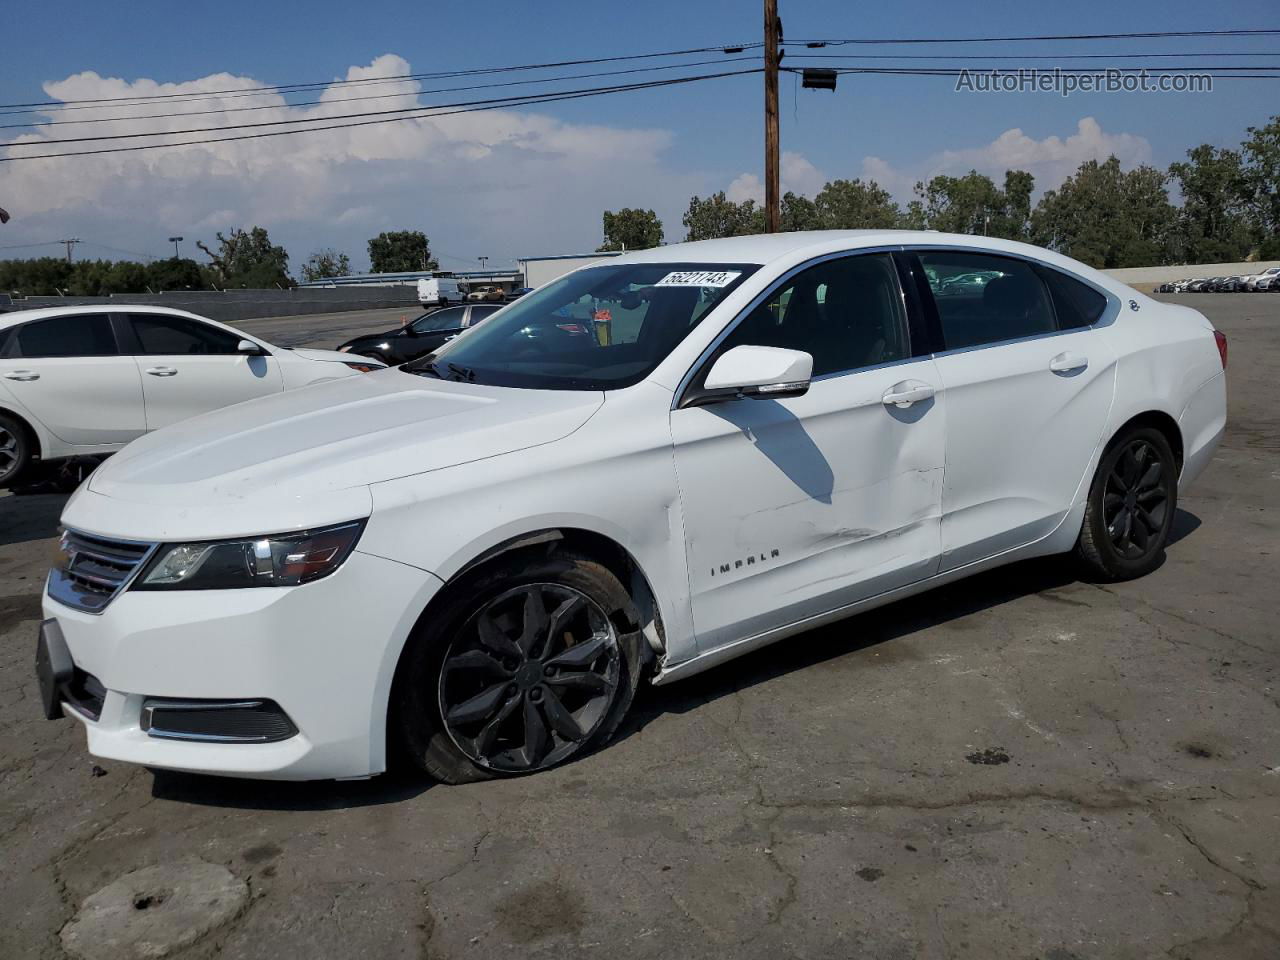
<point>640,470</point>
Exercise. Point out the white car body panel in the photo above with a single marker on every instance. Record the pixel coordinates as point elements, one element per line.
<point>862,501</point>
<point>94,405</point>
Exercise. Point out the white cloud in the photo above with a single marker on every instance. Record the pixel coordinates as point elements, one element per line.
<point>1050,160</point>
<point>795,172</point>
<point>501,182</point>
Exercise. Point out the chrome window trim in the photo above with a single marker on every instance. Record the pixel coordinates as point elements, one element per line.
<point>762,297</point>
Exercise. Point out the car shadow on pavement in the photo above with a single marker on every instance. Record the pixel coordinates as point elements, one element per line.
<point>208,791</point>
<point>29,517</point>
<point>902,618</point>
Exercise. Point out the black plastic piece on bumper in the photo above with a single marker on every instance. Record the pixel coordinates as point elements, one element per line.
<point>54,667</point>
<point>216,721</point>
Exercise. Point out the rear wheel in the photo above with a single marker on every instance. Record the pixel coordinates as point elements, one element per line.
<point>15,449</point>
<point>1131,506</point>
<point>530,665</point>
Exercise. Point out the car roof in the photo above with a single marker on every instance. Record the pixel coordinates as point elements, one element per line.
<point>40,313</point>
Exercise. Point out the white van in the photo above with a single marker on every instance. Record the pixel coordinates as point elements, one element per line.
<point>439,291</point>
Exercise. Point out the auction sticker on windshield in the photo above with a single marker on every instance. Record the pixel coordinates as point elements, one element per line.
<point>699,278</point>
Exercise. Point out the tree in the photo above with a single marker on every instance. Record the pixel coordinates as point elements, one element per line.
<point>1106,217</point>
<point>1261,183</point>
<point>973,204</point>
<point>1212,224</point>
<point>855,204</point>
<point>401,251</point>
<point>174,273</point>
<point>248,259</point>
<point>326,263</point>
<point>126,276</point>
<point>39,277</point>
<point>631,229</point>
<point>799,213</point>
<point>88,278</point>
<point>717,216</point>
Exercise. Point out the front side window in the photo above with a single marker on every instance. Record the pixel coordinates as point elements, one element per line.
<point>982,298</point>
<point>847,313</point>
<point>450,319</point>
<point>600,328</point>
<point>160,335</point>
<point>84,335</point>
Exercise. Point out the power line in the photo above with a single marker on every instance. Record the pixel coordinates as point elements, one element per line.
<point>25,246</point>
<point>1159,34</point>
<point>426,114</point>
<point>1016,56</point>
<point>958,71</point>
<point>299,87</point>
<point>376,96</point>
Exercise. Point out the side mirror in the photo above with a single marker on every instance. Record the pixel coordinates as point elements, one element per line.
<point>748,371</point>
<point>250,349</point>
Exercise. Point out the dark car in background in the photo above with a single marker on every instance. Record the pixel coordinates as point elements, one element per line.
<point>420,336</point>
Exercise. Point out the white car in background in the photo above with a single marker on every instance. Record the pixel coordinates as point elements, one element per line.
<point>84,381</point>
<point>642,469</point>
<point>1262,280</point>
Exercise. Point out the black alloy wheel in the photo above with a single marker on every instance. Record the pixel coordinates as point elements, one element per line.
<point>531,677</point>
<point>1135,500</point>
<point>1131,507</point>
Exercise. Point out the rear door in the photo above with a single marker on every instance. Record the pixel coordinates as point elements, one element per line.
<point>189,367</point>
<point>68,372</point>
<point>1028,372</point>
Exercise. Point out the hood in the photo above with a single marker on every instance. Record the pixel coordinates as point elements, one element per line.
<point>313,444</point>
<point>333,356</point>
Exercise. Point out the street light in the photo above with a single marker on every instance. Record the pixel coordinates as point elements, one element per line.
<point>483,261</point>
<point>175,241</point>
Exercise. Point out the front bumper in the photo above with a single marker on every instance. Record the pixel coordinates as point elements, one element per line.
<point>325,652</point>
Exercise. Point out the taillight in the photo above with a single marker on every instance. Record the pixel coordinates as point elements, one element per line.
<point>1221,339</point>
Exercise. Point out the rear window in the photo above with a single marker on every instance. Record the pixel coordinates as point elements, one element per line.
<point>82,335</point>
<point>1077,304</point>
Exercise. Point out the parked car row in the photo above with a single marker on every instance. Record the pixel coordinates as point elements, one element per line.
<point>1267,281</point>
<point>84,381</point>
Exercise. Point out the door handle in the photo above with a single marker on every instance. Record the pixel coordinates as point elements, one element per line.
<point>904,394</point>
<point>22,375</point>
<point>162,371</point>
<point>1068,363</point>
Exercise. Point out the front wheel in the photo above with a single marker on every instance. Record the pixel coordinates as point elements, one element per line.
<point>528,666</point>
<point>1131,507</point>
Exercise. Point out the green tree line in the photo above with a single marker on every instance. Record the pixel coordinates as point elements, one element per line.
<point>239,259</point>
<point>1229,209</point>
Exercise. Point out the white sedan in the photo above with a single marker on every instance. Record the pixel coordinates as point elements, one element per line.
<point>640,470</point>
<point>84,381</point>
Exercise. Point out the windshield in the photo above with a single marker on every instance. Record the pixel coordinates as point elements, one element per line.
<point>595,329</point>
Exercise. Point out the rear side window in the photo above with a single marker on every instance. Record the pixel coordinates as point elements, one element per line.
<point>84,335</point>
<point>1077,304</point>
<point>160,335</point>
<point>449,319</point>
<point>982,298</point>
<point>479,313</point>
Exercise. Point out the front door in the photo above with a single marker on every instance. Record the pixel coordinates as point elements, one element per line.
<point>68,372</point>
<point>1028,380</point>
<point>798,506</point>
<point>189,368</point>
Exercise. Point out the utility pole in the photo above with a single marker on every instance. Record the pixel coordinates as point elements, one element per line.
<point>175,241</point>
<point>772,199</point>
<point>70,242</point>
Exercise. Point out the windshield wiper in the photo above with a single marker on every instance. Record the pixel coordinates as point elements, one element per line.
<point>427,367</point>
<point>457,373</point>
<point>464,373</point>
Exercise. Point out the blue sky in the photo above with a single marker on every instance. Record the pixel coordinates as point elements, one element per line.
<point>538,187</point>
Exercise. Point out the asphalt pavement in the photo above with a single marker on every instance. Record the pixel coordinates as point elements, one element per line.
<point>1019,765</point>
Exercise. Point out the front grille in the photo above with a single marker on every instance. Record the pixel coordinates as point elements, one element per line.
<point>216,721</point>
<point>93,569</point>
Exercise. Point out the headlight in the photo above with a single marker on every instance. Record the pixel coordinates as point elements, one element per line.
<point>281,560</point>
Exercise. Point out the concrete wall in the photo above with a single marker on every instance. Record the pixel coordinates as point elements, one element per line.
<point>1144,278</point>
<point>231,305</point>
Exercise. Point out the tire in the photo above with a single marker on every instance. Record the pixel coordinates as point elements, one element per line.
<point>1131,506</point>
<point>15,449</point>
<point>479,679</point>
